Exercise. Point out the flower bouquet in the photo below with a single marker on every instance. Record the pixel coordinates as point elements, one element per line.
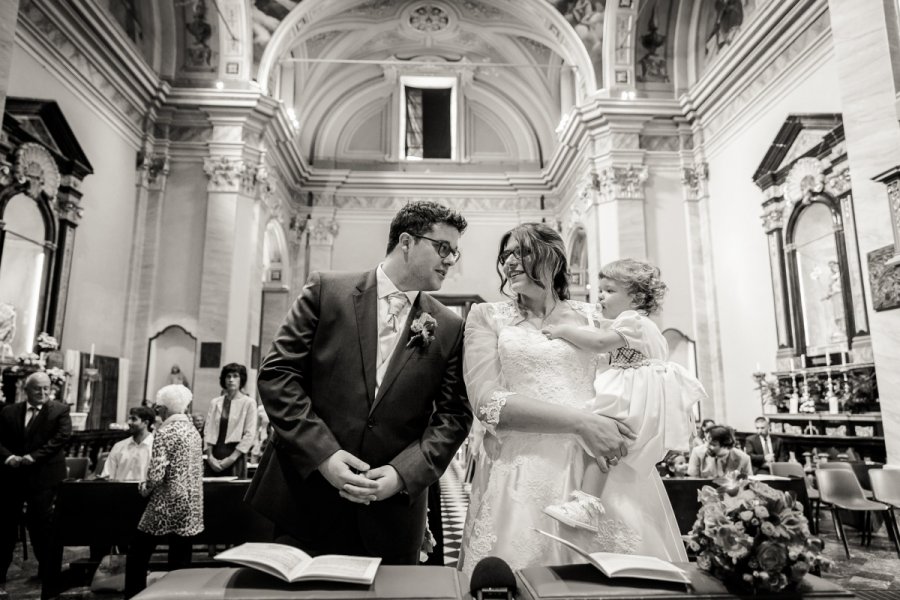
<point>46,342</point>
<point>27,363</point>
<point>752,536</point>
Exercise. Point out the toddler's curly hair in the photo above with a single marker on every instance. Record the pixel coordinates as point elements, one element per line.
<point>642,281</point>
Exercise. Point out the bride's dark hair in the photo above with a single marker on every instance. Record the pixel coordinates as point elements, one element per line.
<point>543,248</point>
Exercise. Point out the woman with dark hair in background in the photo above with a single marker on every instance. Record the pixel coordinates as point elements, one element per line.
<point>230,429</point>
<point>530,393</point>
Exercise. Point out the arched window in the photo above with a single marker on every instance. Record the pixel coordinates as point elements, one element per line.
<point>26,247</point>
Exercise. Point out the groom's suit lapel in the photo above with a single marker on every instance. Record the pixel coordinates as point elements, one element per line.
<point>401,353</point>
<point>365,301</point>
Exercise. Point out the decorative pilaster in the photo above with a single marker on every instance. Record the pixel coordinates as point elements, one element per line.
<point>322,230</point>
<point>151,177</point>
<point>891,179</point>
<point>695,191</point>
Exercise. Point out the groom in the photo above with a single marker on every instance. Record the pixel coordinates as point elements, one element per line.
<point>364,389</point>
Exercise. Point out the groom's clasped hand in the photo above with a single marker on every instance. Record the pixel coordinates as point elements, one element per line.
<point>356,481</point>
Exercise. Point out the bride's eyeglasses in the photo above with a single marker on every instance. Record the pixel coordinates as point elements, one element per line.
<point>519,253</point>
<point>444,249</point>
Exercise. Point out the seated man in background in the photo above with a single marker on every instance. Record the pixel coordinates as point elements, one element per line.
<point>718,457</point>
<point>763,448</point>
<point>129,458</point>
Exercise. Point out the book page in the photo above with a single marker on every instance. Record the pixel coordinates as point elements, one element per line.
<point>628,565</point>
<point>273,558</point>
<point>339,567</point>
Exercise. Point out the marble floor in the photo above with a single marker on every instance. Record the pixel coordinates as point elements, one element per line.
<point>873,573</point>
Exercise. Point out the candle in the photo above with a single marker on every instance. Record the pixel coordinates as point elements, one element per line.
<point>802,361</point>
<point>758,368</point>
<point>91,361</point>
<point>843,358</point>
<point>827,359</point>
<point>792,364</point>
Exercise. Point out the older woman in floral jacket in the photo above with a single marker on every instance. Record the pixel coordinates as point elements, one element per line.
<point>175,486</point>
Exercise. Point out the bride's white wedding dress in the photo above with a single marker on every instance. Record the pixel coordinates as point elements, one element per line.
<point>519,473</point>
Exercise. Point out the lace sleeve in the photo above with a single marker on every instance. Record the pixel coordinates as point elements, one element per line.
<point>481,367</point>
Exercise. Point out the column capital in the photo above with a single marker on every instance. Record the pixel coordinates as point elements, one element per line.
<point>225,173</point>
<point>695,180</point>
<point>622,182</point>
<point>68,200</point>
<point>323,230</point>
<point>153,169</point>
<point>773,216</point>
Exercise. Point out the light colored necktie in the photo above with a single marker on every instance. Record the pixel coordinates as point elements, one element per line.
<point>396,302</point>
<point>767,445</point>
<point>387,337</point>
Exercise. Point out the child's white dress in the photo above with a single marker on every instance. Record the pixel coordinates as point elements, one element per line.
<point>654,397</point>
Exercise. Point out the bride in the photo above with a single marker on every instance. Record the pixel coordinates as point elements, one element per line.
<point>531,394</point>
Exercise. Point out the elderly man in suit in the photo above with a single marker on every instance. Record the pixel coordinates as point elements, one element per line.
<point>33,435</point>
<point>763,448</point>
<point>364,391</point>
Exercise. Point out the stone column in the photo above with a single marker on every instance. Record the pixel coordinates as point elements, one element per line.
<point>865,50</point>
<point>9,15</point>
<point>621,223</point>
<point>703,298</point>
<point>152,173</point>
<point>228,251</point>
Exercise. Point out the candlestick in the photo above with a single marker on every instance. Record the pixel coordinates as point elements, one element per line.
<point>91,361</point>
<point>802,361</point>
<point>792,364</point>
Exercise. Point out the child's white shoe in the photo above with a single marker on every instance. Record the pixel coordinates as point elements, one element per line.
<point>583,511</point>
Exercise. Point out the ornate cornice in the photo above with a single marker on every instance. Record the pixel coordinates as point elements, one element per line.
<point>756,61</point>
<point>225,173</point>
<point>81,45</point>
<point>394,203</point>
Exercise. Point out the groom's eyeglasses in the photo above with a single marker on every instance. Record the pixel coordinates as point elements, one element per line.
<point>444,249</point>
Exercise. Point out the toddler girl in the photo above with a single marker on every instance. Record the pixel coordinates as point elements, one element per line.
<point>652,396</point>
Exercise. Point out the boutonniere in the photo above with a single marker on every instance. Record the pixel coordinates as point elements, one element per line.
<point>422,329</point>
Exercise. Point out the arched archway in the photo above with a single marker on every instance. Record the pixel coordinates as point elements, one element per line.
<point>539,14</point>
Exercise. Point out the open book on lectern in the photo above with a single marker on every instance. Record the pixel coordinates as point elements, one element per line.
<point>637,566</point>
<point>292,564</point>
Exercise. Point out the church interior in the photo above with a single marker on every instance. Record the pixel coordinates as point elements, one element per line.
<point>172,171</point>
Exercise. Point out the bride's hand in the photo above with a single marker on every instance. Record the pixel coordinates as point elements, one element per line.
<point>605,436</point>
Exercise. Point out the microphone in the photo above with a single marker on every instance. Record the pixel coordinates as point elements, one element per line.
<point>492,579</point>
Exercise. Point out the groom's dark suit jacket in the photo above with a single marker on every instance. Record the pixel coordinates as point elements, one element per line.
<point>318,386</point>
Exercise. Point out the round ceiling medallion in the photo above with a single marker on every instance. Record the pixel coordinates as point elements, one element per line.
<point>429,18</point>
